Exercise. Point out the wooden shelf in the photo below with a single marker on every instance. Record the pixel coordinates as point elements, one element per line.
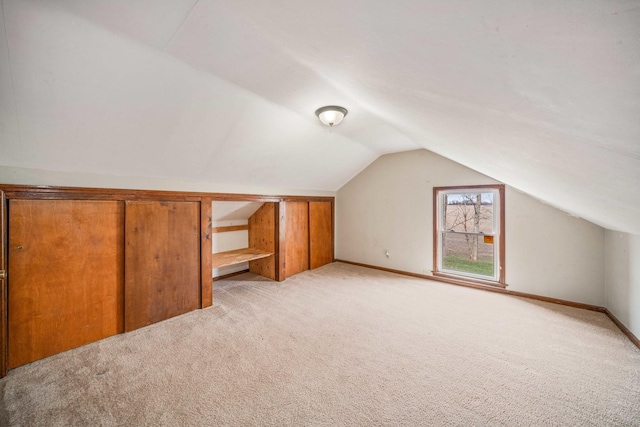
<point>229,228</point>
<point>223,259</point>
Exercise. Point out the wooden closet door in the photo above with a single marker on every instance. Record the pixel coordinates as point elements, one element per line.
<point>162,261</point>
<point>66,275</point>
<point>296,237</point>
<point>262,235</point>
<point>3,285</point>
<point>320,233</point>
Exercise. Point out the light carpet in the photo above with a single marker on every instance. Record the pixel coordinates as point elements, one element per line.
<point>342,346</point>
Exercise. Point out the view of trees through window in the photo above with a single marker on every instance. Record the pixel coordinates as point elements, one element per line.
<point>468,230</point>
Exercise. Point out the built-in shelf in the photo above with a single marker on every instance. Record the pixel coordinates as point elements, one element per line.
<point>229,228</point>
<point>238,256</point>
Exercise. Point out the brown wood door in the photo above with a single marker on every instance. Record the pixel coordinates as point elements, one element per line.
<point>66,267</point>
<point>206,249</point>
<point>3,285</point>
<point>296,237</point>
<point>320,233</point>
<point>162,261</point>
<point>262,235</point>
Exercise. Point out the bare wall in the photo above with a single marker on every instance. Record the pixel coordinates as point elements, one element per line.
<point>389,207</point>
<point>622,278</point>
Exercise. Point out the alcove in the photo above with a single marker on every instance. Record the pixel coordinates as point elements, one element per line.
<point>244,235</point>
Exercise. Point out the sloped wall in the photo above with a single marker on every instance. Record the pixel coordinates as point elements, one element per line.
<point>389,206</point>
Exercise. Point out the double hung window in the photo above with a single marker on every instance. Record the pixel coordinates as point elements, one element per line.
<point>469,232</point>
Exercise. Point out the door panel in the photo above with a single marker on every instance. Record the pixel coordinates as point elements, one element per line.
<point>320,234</point>
<point>66,266</point>
<point>262,235</point>
<point>206,279</point>
<point>297,238</point>
<point>3,285</point>
<point>162,261</point>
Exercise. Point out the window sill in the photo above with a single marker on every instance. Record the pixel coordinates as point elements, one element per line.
<point>463,280</point>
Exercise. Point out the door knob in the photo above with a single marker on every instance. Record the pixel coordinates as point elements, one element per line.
<point>3,274</point>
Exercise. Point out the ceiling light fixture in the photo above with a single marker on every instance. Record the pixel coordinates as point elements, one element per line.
<point>331,115</point>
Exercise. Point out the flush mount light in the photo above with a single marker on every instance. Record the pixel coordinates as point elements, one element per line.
<point>331,115</point>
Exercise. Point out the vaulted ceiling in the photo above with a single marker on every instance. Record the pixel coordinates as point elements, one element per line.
<point>543,95</point>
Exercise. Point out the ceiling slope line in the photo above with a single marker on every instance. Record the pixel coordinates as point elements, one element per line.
<point>200,70</point>
<point>599,141</point>
<point>241,88</point>
<point>605,143</point>
<point>299,62</point>
<point>356,100</point>
<point>180,26</point>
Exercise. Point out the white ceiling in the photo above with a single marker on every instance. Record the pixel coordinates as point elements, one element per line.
<point>233,211</point>
<point>543,95</point>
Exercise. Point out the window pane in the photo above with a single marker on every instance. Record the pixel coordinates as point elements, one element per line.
<point>471,212</point>
<point>467,254</point>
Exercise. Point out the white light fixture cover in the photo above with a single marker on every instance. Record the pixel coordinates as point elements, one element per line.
<point>331,115</point>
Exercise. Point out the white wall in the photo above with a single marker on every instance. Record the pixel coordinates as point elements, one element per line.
<point>552,253</point>
<point>622,278</point>
<point>389,206</point>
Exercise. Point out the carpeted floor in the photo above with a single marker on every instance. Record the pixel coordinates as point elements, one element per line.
<point>343,345</point>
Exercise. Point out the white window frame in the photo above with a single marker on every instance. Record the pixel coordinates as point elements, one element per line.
<point>439,229</point>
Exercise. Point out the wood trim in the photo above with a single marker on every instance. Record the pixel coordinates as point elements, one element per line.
<point>4,285</point>
<point>333,228</point>
<point>108,194</point>
<point>463,187</point>
<point>502,241</point>
<point>206,257</point>
<point>444,277</point>
<point>308,236</point>
<point>503,247</point>
<point>14,191</point>
<point>623,328</point>
<point>234,197</point>
<point>435,236</point>
<point>229,228</point>
<point>306,198</point>
<point>281,238</point>
<point>226,276</point>
<point>482,287</point>
<point>583,306</point>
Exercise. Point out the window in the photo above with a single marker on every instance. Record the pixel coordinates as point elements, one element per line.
<point>469,233</point>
